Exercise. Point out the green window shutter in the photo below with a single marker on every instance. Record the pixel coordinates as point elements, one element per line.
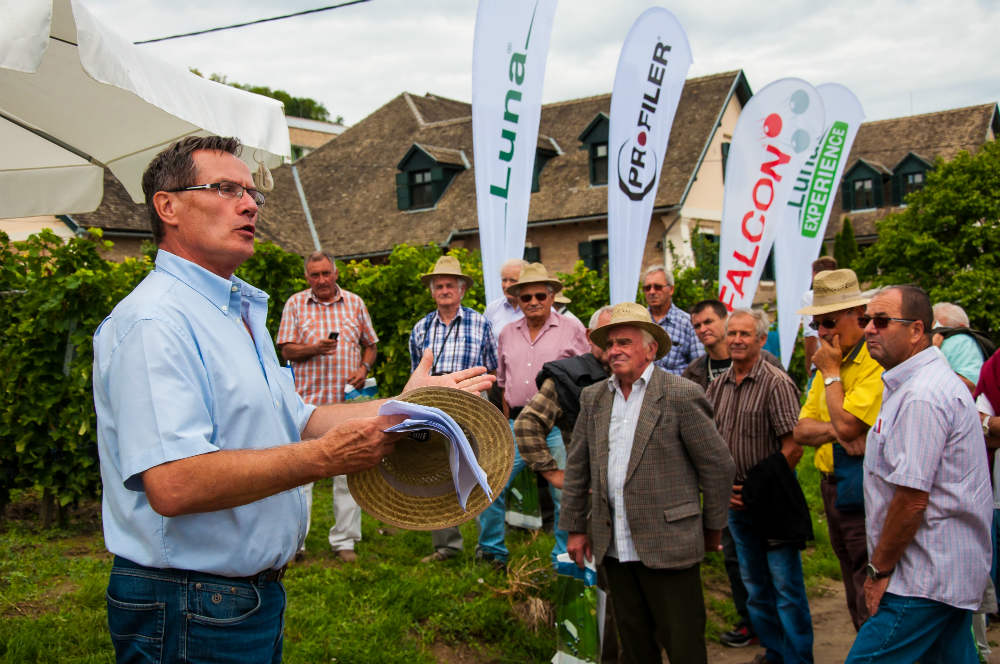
<point>533,254</point>
<point>897,188</point>
<point>878,185</point>
<point>402,191</point>
<point>845,194</point>
<point>586,251</point>
<point>725,159</point>
<point>439,180</point>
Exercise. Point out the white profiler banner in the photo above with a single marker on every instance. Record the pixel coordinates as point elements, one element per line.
<point>777,131</point>
<point>652,67</point>
<point>508,68</point>
<point>807,210</point>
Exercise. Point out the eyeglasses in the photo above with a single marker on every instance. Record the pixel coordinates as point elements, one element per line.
<point>656,287</point>
<point>882,322</point>
<point>227,189</point>
<point>527,297</point>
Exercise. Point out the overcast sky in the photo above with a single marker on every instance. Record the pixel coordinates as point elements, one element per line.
<point>900,57</point>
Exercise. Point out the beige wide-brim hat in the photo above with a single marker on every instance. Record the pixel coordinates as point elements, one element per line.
<point>446,266</point>
<point>413,487</point>
<point>835,290</point>
<point>562,299</point>
<point>636,315</point>
<point>533,274</point>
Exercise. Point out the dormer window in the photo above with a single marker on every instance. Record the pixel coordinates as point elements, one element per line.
<point>546,149</point>
<point>864,185</point>
<point>908,176</point>
<point>594,139</point>
<point>425,173</point>
<point>864,194</point>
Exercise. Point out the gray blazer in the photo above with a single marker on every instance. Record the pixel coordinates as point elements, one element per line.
<point>678,457</point>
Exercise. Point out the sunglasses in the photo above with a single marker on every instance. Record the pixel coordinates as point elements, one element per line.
<point>882,322</point>
<point>826,323</point>
<point>527,297</point>
<point>656,287</point>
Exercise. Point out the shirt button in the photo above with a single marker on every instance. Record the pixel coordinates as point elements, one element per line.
<point>235,288</point>
<point>225,307</point>
<point>275,403</point>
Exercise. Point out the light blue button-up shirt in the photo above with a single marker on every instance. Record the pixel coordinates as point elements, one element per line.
<point>176,374</point>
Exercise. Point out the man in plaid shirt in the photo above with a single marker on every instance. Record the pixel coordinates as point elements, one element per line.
<point>459,338</point>
<point>327,336</point>
<point>658,289</point>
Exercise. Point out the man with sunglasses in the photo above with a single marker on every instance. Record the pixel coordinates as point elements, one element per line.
<point>928,499</point>
<point>204,443</point>
<point>841,405</point>
<point>524,346</point>
<point>658,289</point>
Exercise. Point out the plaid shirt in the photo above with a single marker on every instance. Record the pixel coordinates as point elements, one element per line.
<point>305,320</point>
<point>467,342</point>
<point>684,344</point>
<point>534,424</point>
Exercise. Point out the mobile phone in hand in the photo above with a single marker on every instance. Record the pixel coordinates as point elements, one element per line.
<point>333,336</point>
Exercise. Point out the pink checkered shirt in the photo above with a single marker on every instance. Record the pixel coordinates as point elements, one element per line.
<point>306,320</point>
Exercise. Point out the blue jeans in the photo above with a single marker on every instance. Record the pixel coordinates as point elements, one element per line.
<point>169,615</point>
<point>907,629</point>
<point>779,610</point>
<point>493,528</point>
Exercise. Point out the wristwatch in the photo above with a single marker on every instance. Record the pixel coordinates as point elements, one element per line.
<point>986,424</point>
<point>874,574</point>
<point>827,382</point>
<point>367,366</point>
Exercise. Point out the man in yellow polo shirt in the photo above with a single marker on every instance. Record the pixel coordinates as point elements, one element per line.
<point>842,404</point>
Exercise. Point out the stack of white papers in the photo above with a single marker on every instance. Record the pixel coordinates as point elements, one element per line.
<point>465,470</point>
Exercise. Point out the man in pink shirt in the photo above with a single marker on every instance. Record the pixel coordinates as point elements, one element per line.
<point>524,346</point>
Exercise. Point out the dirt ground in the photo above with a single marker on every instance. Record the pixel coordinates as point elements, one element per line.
<point>833,633</point>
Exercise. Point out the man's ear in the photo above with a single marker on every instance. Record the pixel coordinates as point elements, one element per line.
<point>165,206</point>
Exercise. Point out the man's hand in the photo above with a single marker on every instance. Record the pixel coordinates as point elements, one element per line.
<point>713,540</point>
<point>325,347</point>
<point>855,446</point>
<point>578,548</point>
<point>472,380</point>
<point>359,444</point>
<point>873,593</point>
<point>554,477</point>
<point>829,356</point>
<point>736,498</point>
<point>357,377</point>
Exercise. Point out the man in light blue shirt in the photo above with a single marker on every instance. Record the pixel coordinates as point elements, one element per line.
<point>957,344</point>
<point>928,497</point>
<point>197,429</point>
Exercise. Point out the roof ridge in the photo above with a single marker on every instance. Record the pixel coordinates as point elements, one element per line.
<point>941,112</point>
<point>413,109</point>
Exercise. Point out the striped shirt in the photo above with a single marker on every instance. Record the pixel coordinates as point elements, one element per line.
<point>754,414</point>
<point>466,342</point>
<point>928,437</point>
<point>621,432</point>
<point>305,320</point>
<point>499,313</point>
<point>684,344</point>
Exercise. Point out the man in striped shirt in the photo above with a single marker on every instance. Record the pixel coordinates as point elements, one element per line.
<point>459,338</point>
<point>756,408</point>
<point>327,336</point>
<point>928,499</point>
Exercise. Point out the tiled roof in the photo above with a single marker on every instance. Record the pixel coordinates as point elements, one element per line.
<point>350,183</point>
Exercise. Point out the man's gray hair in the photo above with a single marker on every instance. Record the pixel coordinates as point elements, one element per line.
<point>461,282</point>
<point>761,321</point>
<point>652,269</point>
<point>514,262</point>
<point>597,314</point>
<point>318,256</point>
<point>950,315</point>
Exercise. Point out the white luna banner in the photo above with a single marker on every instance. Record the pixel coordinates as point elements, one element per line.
<point>508,68</point>
<point>776,132</point>
<point>807,210</point>
<point>649,80</point>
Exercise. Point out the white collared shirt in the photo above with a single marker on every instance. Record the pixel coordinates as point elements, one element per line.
<point>621,433</point>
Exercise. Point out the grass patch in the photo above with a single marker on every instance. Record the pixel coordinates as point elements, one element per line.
<point>387,607</point>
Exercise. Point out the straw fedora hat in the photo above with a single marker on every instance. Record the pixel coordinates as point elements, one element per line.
<point>413,487</point>
<point>562,299</point>
<point>532,274</point>
<point>446,266</point>
<point>835,290</point>
<point>636,315</point>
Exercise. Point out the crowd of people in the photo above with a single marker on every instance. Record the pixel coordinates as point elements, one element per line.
<point>660,434</point>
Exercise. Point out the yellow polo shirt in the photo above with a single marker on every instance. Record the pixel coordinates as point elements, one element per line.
<point>861,377</point>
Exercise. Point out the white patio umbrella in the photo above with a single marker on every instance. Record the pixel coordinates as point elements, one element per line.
<point>76,97</point>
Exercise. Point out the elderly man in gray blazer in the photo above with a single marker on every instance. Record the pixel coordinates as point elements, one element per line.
<point>646,447</point>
